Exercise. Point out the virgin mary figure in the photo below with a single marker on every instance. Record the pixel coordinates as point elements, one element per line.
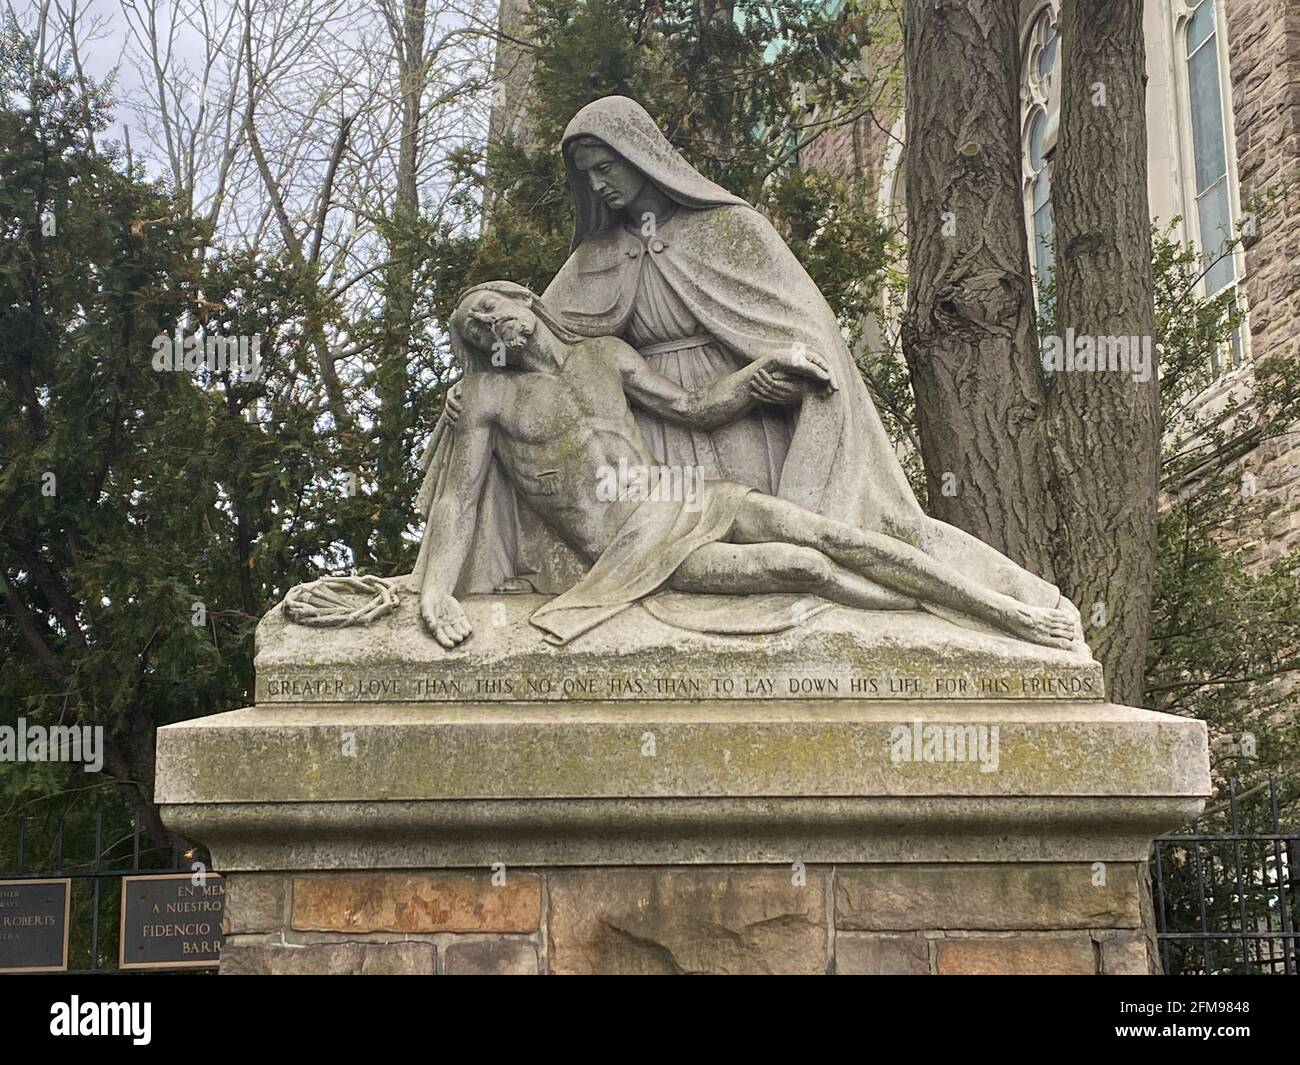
<point>699,282</point>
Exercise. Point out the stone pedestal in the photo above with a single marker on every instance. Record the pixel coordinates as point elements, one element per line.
<point>839,835</point>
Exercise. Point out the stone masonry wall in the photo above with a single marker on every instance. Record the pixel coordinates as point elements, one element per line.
<point>857,151</point>
<point>854,152</point>
<point>1264,59</point>
<point>1039,918</point>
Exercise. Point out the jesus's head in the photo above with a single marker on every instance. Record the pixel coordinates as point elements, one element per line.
<point>500,325</point>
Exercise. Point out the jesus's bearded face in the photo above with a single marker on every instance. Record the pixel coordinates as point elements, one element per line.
<point>503,328</point>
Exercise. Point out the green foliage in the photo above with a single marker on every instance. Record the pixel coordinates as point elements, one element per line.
<point>149,518</point>
<point>102,540</point>
<point>841,241</point>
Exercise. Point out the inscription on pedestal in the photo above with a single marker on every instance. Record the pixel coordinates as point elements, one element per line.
<point>560,685</point>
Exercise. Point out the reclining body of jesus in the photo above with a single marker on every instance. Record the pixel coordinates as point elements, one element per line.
<point>555,414</point>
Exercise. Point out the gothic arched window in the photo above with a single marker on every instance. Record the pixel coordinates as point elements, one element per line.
<point>1209,155</point>
<point>1206,135</point>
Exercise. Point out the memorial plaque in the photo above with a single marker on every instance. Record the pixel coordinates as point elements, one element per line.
<point>171,922</point>
<point>34,925</point>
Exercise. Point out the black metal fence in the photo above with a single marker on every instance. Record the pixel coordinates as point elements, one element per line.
<point>1227,890</point>
<point>93,925</point>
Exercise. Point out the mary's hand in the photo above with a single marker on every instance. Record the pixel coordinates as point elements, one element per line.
<point>452,406</point>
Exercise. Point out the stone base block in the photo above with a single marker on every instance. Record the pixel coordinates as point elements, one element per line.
<point>1043,918</point>
<point>844,837</point>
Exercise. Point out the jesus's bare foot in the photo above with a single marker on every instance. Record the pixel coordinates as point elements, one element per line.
<point>445,618</point>
<point>1072,612</point>
<point>1038,624</point>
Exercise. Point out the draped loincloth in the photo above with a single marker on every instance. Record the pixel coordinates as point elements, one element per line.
<point>656,538</point>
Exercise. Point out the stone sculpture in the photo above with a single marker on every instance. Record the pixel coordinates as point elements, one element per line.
<point>683,351</point>
<point>552,411</point>
<point>677,629</point>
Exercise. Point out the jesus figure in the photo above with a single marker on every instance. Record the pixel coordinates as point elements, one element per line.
<point>552,409</point>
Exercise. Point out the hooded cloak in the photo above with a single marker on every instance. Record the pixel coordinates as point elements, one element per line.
<point>734,273</point>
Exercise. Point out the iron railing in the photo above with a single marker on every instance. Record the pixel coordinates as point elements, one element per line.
<point>96,883</point>
<point>1227,890</point>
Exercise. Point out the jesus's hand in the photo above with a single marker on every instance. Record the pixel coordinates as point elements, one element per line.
<point>445,618</point>
<point>775,387</point>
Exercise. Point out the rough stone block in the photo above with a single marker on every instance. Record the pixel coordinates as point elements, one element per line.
<point>331,959</point>
<point>1009,896</point>
<point>498,957</point>
<point>882,955</point>
<point>399,902</point>
<point>1124,954</point>
<point>255,902</point>
<point>1018,955</point>
<point>702,920</point>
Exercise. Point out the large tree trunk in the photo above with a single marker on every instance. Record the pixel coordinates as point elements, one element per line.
<point>969,334</point>
<point>1104,426</point>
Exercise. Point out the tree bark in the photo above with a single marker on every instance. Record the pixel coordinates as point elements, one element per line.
<point>969,333</point>
<point>1104,426</point>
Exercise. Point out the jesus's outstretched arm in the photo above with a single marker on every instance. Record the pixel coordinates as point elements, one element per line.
<point>719,402</point>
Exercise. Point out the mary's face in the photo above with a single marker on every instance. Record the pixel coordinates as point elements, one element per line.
<point>612,178</point>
